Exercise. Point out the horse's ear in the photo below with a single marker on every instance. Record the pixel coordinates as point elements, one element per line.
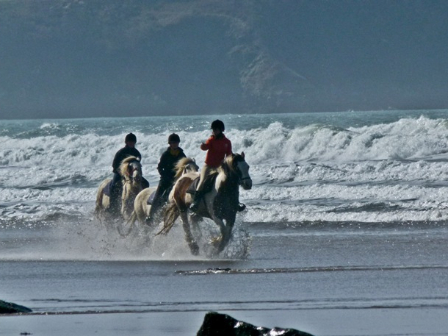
<point>243,155</point>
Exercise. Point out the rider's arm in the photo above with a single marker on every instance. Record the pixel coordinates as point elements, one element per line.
<point>117,160</point>
<point>160,166</point>
<point>137,154</point>
<point>163,167</point>
<point>206,145</point>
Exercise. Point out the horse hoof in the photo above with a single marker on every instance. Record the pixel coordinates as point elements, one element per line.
<point>149,221</point>
<point>194,248</point>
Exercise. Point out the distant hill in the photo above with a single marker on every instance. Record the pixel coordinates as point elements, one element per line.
<point>65,58</point>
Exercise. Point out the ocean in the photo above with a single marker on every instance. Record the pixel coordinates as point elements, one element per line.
<point>345,231</point>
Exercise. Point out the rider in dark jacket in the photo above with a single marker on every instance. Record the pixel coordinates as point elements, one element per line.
<point>128,150</point>
<point>166,167</point>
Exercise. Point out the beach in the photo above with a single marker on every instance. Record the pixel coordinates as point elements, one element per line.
<point>348,280</point>
<point>345,231</point>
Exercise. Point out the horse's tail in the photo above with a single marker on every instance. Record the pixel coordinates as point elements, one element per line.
<point>99,201</point>
<point>170,216</point>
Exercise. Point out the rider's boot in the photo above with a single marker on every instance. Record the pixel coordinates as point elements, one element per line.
<point>113,202</point>
<point>157,204</point>
<point>240,207</point>
<point>196,200</point>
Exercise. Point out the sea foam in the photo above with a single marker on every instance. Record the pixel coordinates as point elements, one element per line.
<point>349,169</point>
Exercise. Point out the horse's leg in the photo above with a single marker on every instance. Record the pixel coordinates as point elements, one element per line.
<point>194,220</point>
<point>124,197</point>
<point>222,229</point>
<point>226,230</point>
<point>194,248</point>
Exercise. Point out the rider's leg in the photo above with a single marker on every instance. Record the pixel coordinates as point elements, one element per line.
<point>206,170</point>
<point>158,201</point>
<point>114,193</point>
<point>145,183</point>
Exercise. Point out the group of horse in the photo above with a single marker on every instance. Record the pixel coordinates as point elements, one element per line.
<point>219,203</point>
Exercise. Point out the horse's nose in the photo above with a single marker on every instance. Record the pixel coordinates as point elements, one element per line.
<point>247,184</point>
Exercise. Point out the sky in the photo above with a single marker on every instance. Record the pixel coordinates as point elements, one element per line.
<point>73,58</point>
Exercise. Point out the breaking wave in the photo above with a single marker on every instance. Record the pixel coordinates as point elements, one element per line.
<point>313,167</point>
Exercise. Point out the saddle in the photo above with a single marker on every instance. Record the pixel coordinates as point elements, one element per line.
<point>151,198</point>
<point>164,196</point>
<point>207,186</point>
<point>108,187</point>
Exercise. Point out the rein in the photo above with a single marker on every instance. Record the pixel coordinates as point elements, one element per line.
<point>240,179</point>
<point>130,170</point>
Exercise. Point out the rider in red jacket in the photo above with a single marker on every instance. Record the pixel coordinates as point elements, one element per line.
<point>217,147</point>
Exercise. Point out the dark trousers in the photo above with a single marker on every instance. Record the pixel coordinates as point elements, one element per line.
<point>145,183</point>
<point>114,192</point>
<point>116,179</point>
<point>115,188</point>
<point>161,196</point>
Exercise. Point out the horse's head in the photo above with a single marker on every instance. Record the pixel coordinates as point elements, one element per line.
<point>184,166</point>
<point>131,169</point>
<point>131,173</point>
<point>239,166</point>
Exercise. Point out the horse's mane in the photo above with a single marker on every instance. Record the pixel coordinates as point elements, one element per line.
<point>125,163</point>
<point>181,164</point>
<point>228,163</point>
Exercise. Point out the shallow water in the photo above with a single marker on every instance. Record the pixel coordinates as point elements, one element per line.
<point>345,231</point>
<point>332,279</point>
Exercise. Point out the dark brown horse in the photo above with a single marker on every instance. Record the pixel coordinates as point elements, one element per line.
<point>220,203</point>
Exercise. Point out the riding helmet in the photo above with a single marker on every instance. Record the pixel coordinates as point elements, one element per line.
<point>130,138</point>
<point>218,124</point>
<point>173,138</point>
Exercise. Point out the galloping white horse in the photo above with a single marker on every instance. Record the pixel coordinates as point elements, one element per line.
<point>220,203</point>
<point>131,182</point>
<point>141,206</point>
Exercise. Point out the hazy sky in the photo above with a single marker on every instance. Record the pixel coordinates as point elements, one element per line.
<point>113,58</point>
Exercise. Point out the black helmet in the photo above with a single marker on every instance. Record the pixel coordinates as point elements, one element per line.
<point>218,124</point>
<point>130,138</point>
<point>173,138</point>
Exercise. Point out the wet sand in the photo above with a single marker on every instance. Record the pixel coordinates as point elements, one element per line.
<point>343,280</point>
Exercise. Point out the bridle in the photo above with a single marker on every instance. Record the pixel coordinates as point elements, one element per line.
<point>131,169</point>
<point>191,166</point>
<point>239,173</point>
